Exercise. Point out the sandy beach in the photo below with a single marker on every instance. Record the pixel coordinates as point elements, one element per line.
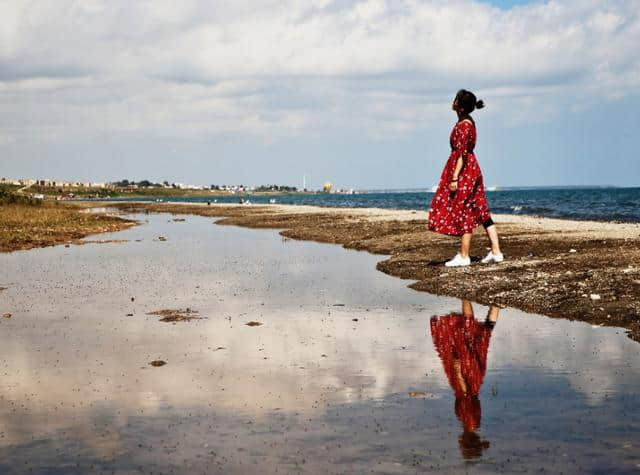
<point>578,270</point>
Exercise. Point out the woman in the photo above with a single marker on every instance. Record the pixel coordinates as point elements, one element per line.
<point>459,204</point>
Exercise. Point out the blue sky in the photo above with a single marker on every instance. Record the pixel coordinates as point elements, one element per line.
<point>356,92</point>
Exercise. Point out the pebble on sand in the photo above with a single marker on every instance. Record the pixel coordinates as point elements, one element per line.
<point>157,363</point>
<point>595,297</point>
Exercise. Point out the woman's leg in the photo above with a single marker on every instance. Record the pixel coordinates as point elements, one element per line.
<point>465,245</point>
<point>467,308</point>
<point>494,312</point>
<point>492,232</point>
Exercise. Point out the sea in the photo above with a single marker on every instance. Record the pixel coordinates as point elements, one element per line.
<point>579,203</point>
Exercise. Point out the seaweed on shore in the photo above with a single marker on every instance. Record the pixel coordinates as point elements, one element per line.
<point>179,315</point>
<point>26,226</point>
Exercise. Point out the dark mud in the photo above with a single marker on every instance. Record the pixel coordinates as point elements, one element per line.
<point>558,274</point>
<point>172,316</point>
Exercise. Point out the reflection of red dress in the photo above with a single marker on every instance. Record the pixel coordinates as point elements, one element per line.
<point>465,340</point>
<point>457,213</point>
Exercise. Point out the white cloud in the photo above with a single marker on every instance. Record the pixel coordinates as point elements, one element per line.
<point>278,68</point>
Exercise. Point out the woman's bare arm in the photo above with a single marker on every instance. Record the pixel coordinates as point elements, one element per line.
<point>453,186</point>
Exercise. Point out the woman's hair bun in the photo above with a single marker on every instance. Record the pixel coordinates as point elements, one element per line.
<point>479,104</point>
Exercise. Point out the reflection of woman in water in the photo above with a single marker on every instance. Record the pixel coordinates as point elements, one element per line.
<point>462,343</point>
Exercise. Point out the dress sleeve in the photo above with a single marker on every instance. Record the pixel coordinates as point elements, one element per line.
<point>463,139</point>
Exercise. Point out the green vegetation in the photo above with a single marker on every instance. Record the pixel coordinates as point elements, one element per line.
<point>280,188</point>
<point>77,191</point>
<point>8,196</point>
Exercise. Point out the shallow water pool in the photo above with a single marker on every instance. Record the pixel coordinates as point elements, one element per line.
<point>348,371</point>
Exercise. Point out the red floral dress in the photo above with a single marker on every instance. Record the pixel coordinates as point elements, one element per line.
<point>459,212</point>
<point>462,343</point>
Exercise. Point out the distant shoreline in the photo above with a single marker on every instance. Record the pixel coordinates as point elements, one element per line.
<point>621,205</point>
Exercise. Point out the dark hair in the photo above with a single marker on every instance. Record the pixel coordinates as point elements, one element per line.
<point>467,100</point>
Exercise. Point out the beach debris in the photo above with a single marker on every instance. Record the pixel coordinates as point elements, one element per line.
<point>102,241</point>
<point>354,319</point>
<point>628,270</point>
<point>531,254</point>
<point>253,324</point>
<point>220,348</point>
<point>2,288</point>
<point>323,355</point>
<point>338,305</point>
<point>595,297</point>
<point>162,238</point>
<point>129,314</point>
<point>133,299</point>
<point>67,245</point>
<point>572,251</point>
<point>179,220</point>
<point>178,315</point>
<point>158,363</point>
<point>417,394</point>
<point>6,315</point>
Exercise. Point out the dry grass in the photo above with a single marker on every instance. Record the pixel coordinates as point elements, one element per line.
<point>24,226</point>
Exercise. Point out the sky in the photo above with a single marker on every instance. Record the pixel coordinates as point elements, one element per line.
<point>356,92</point>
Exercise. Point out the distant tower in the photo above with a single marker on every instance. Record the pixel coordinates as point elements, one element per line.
<point>304,182</point>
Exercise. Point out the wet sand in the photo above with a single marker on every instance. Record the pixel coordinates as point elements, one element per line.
<point>578,270</point>
<point>341,376</point>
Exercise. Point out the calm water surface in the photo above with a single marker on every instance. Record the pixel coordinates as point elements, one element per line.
<point>350,371</point>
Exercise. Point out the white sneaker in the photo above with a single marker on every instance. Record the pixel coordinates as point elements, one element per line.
<point>458,261</point>
<point>491,257</point>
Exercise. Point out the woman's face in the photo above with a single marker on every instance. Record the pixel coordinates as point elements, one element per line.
<point>454,105</point>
